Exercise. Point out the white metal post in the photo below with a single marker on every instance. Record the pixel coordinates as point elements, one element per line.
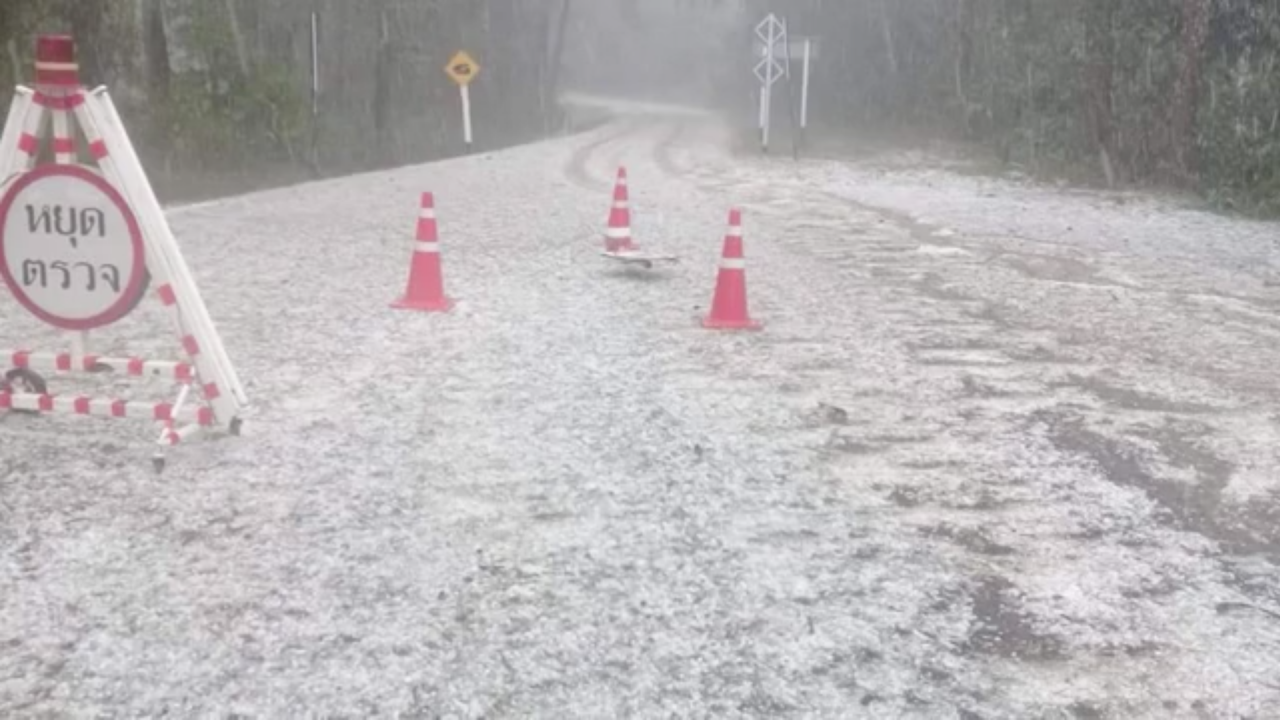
<point>804,87</point>
<point>466,115</point>
<point>766,101</point>
<point>770,31</point>
<point>771,45</point>
<point>61,133</point>
<point>13,126</point>
<point>764,105</point>
<point>315,63</point>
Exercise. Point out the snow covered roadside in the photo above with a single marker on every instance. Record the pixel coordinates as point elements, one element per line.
<point>1135,387</point>
<point>1140,224</point>
<point>1153,282</point>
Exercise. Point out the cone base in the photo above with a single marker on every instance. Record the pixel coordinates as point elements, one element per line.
<point>444,305</point>
<point>747,324</point>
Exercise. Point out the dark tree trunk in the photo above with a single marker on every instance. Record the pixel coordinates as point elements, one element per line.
<point>890,43</point>
<point>1099,81</point>
<point>965,18</point>
<point>383,66</point>
<point>557,49</point>
<point>156,51</point>
<point>86,20</point>
<point>1195,28</point>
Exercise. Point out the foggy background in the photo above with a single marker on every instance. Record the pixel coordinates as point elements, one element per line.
<point>217,93</point>
<point>688,52</point>
<point>1174,93</point>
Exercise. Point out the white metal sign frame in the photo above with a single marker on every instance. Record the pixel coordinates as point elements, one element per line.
<point>772,33</point>
<point>221,396</point>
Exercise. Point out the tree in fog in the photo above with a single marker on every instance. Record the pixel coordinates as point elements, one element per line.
<point>1182,92</point>
<point>223,86</point>
<point>1172,91</point>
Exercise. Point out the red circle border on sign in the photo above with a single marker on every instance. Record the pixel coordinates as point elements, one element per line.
<point>138,272</point>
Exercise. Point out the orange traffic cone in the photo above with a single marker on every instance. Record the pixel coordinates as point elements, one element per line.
<point>426,283</point>
<point>617,235</point>
<point>729,306</point>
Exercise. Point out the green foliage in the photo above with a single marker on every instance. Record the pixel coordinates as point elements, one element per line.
<point>218,113</point>
<point>221,87</point>
<point>223,114</point>
<point>18,22</point>
<point>228,122</point>
<point>1239,116</point>
<point>1014,75</point>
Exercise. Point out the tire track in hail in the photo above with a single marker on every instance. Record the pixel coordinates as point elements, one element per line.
<point>576,169</point>
<point>662,155</point>
<point>693,151</point>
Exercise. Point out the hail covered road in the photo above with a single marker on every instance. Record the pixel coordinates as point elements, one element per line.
<point>1000,452</point>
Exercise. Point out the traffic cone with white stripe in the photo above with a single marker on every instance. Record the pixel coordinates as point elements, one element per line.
<point>426,282</point>
<point>617,235</point>
<point>729,306</point>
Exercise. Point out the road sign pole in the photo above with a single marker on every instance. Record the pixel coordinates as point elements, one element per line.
<point>313,151</point>
<point>462,69</point>
<point>764,106</point>
<point>466,115</point>
<point>770,31</point>
<point>804,89</point>
<point>766,101</point>
<point>770,43</point>
<point>315,64</point>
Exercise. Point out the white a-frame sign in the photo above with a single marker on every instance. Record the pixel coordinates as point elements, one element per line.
<point>78,247</point>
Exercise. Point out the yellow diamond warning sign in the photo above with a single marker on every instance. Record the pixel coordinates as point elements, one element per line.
<point>462,68</point>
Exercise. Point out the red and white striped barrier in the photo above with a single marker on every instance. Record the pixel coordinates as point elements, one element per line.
<point>104,407</point>
<point>59,105</point>
<point>69,363</point>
